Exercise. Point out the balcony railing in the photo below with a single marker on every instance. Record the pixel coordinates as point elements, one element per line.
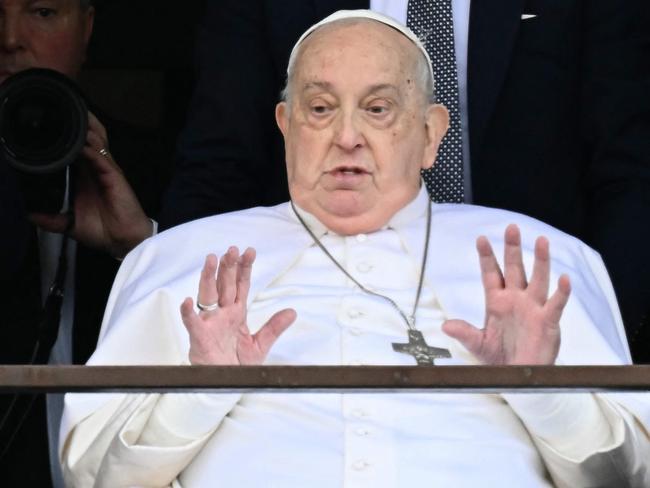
<point>40,379</point>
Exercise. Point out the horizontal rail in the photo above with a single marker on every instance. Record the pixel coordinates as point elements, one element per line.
<point>50,379</point>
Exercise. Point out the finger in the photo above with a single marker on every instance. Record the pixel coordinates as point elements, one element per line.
<point>276,325</point>
<point>208,293</point>
<point>102,165</point>
<point>539,280</point>
<point>57,223</point>
<point>188,315</point>
<point>559,299</point>
<point>227,277</point>
<point>98,143</point>
<point>244,269</point>
<point>96,126</point>
<point>95,141</point>
<point>469,336</point>
<point>490,270</point>
<point>513,264</point>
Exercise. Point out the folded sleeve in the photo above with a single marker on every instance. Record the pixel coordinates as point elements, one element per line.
<point>586,439</point>
<point>142,439</point>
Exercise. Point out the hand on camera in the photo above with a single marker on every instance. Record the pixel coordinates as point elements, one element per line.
<point>107,214</point>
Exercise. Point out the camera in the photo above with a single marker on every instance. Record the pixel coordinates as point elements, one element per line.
<point>43,126</point>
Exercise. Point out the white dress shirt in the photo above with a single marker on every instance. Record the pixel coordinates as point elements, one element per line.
<point>261,439</point>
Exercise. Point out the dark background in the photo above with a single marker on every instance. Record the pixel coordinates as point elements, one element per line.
<point>140,61</point>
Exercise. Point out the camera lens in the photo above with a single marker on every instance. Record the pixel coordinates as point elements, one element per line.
<point>38,127</point>
<point>43,126</point>
<point>43,121</point>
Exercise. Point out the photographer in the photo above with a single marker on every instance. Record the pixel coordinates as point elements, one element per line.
<point>108,216</point>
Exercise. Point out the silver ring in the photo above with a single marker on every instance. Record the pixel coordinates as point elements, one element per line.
<point>207,308</point>
<point>104,152</point>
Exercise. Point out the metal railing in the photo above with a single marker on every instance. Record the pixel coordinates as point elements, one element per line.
<point>41,379</point>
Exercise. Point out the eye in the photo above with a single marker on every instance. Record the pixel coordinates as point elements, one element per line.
<point>377,109</point>
<point>45,12</point>
<point>320,108</point>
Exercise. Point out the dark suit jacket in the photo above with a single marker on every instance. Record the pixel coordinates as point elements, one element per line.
<point>139,154</point>
<point>558,118</point>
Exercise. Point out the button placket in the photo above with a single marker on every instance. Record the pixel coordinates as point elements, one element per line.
<point>360,463</point>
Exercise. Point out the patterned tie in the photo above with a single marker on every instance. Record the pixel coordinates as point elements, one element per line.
<point>432,21</point>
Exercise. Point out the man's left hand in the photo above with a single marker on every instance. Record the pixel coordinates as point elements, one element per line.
<point>107,213</point>
<point>522,324</point>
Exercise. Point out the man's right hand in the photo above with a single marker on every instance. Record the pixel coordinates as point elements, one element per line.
<point>221,336</point>
<point>108,215</point>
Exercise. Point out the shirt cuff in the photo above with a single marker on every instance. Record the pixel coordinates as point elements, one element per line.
<point>573,424</point>
<point>154,231</point>
<point>154,227</point>
<point>181,417</point>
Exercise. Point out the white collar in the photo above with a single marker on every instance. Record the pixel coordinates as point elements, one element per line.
<point>412,211</point>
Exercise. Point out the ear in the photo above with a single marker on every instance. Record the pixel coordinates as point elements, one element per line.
<point>282,117</point>
<point>89,23</point>
<point>436,125</point>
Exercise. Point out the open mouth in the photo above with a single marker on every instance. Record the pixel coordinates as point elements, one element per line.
<point>348,171</point>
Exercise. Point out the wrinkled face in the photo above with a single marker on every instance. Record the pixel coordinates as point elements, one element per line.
<point>358,128</point>
<point>43,34</point>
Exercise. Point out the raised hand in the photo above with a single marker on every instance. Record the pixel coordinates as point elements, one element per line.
<point>220,335</point>
<point>522,324</point>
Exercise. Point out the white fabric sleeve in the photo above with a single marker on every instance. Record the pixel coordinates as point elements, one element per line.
<point>585,439</point>
<point>142,440</point>
<point>573,423</point>
<point>181,417</point>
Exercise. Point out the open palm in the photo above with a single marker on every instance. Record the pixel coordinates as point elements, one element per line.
<point>221,336</point>
<point>522,323</point>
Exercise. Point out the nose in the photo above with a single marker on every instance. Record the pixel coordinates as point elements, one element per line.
<point>348,134</point>
<point>11,38</point>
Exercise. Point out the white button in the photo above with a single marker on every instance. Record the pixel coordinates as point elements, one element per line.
<point>362,237</point>
<point>362,431</point>
<point>358,413</point>
<point>360,464</point>
<point>355,332</point>
<point>364,267</point>
<point>354,313</point>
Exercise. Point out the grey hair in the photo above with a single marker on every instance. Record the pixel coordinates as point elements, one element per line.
<point>422,68</point>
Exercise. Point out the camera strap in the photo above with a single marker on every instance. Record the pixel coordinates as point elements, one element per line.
<point>48,331</point>
<point>51,319</point>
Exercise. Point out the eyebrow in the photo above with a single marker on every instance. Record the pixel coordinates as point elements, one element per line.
<point>32,2</point>
<point>323,85</point>
<point>327,86</point>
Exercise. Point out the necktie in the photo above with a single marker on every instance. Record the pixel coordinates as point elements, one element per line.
<point>431,20</point>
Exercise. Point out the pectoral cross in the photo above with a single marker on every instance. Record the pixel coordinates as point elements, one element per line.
<point>420,350</point>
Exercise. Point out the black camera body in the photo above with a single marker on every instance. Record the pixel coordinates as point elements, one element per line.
<point>43,127</point>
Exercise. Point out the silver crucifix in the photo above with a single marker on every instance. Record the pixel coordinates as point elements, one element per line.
<point>420,350</point>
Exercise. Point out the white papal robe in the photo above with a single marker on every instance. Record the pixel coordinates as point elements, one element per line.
<point>287,440</point>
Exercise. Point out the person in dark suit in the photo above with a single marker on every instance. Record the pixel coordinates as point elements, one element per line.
<point>108,217</point>
<point>558,119</point>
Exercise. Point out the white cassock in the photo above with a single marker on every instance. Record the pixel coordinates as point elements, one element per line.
<point>374,440</point>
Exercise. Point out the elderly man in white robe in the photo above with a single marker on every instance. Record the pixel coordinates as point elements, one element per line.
<point>357,262</point>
